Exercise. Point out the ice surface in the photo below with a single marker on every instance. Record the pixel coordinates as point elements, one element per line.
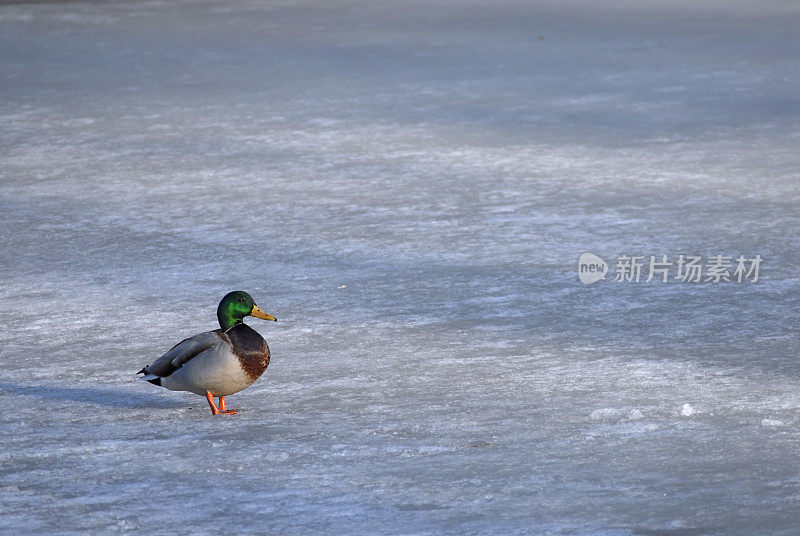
<point>407,187</point>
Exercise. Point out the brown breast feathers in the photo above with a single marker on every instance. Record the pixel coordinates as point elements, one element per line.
<point>250,348</point>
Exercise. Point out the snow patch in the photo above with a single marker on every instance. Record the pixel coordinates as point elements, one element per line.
<point>771,422</point>
<point>605,414</point>
<point>635,415</point>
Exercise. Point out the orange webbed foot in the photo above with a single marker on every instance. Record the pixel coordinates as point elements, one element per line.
<point>226,411</point>
<point>210,399</point>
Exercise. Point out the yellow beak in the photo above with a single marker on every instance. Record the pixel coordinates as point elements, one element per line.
<point>258,313</point>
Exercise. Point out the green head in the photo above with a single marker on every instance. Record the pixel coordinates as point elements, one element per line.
<point>235,306</point>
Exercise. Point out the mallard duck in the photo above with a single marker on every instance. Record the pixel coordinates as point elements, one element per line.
<point>216,363</point>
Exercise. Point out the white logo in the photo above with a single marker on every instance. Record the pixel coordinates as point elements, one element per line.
<point>689,268</point>
<point>591,268</point>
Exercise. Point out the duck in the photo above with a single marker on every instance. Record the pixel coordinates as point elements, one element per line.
<point>216,363</point>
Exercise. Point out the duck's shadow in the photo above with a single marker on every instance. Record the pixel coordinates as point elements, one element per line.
<point>112,398</point>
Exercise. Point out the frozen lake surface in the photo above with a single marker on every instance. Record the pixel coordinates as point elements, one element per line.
<point>408,188</point>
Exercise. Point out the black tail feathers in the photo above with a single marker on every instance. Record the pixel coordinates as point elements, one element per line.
<point>154,381</point>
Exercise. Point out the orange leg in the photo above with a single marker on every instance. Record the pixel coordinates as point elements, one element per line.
<point>210,398</point>
<point>226,411</point>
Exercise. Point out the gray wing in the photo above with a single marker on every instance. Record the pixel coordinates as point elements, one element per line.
<point>180,354</point>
